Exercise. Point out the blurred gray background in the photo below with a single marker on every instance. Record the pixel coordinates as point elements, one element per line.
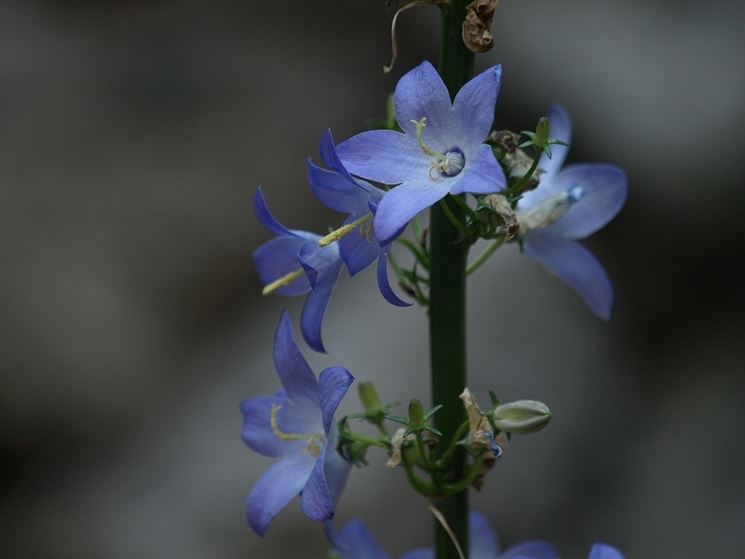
<point>132,137</point>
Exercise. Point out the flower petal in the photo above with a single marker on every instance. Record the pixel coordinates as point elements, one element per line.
<point>276,488</point>
<point>474,106</point>
<point>296,376</point>
<point>265,217</point>
<point>574,265</point>
<point>484,542</point>
<point>483,175</point>
<point>385,287</point>
<point>277,258</point>
<point>355,541</point>
<point>320,263</point>
<point>333,384</point>
<point>536,549</point>
<point>559,128</point>
<point>316,499</point>
<point>402,203</point>
<point>384,156</point>
<point>604,551</point>
<point>331,159</point>
<point>336,191</point>
<point>314,308</point>
<point>420,93</point>
<point>358,251</point>
<point>604,189</point>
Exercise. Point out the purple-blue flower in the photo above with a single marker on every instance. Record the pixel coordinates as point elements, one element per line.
<point>570,204</point>
<point>296,425</point>
<point>293,264</point>
<point>338,190</point>
<point>484,544</point>
<point>440,151</point>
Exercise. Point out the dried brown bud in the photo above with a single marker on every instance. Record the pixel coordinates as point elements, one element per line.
<point>477,25</point>
<point>501,206</point>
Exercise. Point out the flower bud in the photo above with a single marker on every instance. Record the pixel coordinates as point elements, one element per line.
<point>523,416</point>
<point>416,414</point>
<point>369,398</point>
<point>541,132</point>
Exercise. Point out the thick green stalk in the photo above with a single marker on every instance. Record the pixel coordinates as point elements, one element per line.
<point>448,301</point>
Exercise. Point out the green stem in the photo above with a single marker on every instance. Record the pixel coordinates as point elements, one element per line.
<point>484,256</point>
<point>447,295</point>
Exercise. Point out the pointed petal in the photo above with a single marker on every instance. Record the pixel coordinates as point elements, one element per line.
<point>331,158</point>
<point>385,287</point>
<point>316,499</point>
<point>484,542</point>
<point>419,553</point>
<point>358,251</point>
<point>276,489</point>
<point>603,551</point>
<point>333,384</point>
<point>536,549</point>
<point>474,106</point>
<point>265,217</point>
<point>336,191</point>
<point>336,468</point>
<point>314,308</point>
<point>484,175</point>
<point>296,376</point>
<point>384,156</point>
<point>357,542</point>
<point>420,93</point>
<point>574,265</point>
<point>604,189</point>
<point>559,128</point>
<point>277,258</point>
<point>402,203</point>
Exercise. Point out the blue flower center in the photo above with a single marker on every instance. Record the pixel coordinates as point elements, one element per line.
<point>446,164</point>
<point>452,162</point>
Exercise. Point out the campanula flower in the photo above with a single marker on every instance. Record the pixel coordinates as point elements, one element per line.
<point>484,544</point>
<point>338,190</point>
<point>293,264</point>
<point>568,204</point>
<point>296,425</point>
<point>439,152</point>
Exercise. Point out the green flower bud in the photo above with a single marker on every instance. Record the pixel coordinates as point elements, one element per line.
<point>541,132</point>
<point>369,398</point>
<point>523,416</point>
<point>417,417</point>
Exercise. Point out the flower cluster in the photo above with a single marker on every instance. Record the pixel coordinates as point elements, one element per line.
<point>437,151</point>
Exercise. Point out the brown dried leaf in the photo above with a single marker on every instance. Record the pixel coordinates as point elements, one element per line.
<point>477,25</point>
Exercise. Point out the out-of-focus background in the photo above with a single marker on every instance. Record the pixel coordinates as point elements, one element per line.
<point>132,137</point>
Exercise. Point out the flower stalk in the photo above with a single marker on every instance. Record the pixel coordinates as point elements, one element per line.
<point>447,296</point>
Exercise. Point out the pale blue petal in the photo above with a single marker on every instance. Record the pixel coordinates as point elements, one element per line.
<point>536,549</point>
<point>383,284</point>
<point>314,308</point>
<point>335,191</point>
<point>277,258</point>
<point>474,107</point>
<point>559,128</point>
<point>333,384</point>
<point>316,499</point>
<point>604,188</point>
<point>384,156</point>
<point>420,93</point>
<point>276,489</point>
<point>402,203</point>
<point>296,376</point>
<point>483,175</point>
<point>574,265</point>
<point>335,466</point>
<point>484,542</point>
<point>419,553</point>
<point>355,541</point>
<point>603,551</point>
<point>358,251</point>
